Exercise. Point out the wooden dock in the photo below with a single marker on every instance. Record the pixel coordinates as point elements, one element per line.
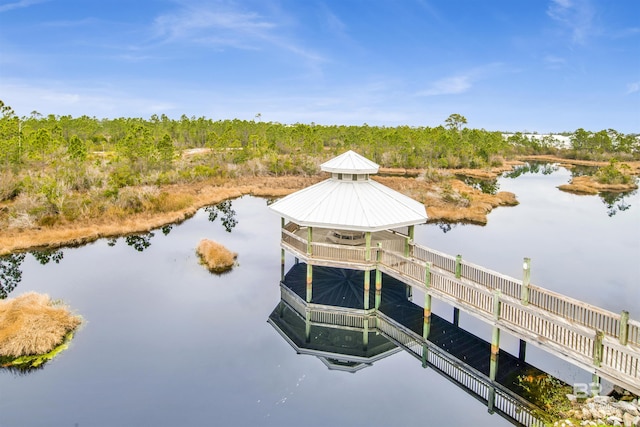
<point>604,343</point>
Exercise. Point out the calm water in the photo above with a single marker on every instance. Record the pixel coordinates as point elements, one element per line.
<point>165,343</point>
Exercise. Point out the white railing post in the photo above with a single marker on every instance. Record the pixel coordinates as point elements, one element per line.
<point>526,278</point>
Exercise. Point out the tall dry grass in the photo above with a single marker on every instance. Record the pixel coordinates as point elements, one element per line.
<point>32,324</point>
<point>216,257</point>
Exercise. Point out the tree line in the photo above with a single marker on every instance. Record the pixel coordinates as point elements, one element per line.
<point>154,143</point>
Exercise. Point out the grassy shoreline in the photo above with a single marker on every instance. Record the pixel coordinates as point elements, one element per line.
<point>448,200</point>
<point>455,202</point>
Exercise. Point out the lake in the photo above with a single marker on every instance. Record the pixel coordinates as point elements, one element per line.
<point>166,343</point>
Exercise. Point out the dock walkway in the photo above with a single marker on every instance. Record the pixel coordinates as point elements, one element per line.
<point>597,340</point>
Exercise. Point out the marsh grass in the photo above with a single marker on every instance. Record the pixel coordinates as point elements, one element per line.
<point>9,186</point>
<point>215,257</point>
<point>25,364</point>
<point>32,324</point>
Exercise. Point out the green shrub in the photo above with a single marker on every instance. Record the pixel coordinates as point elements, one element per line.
<point>614,173</point>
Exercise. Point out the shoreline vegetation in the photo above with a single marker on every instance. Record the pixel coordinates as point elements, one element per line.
<point>67,181</point>
<point>217,258</point>
<point>447,199</point>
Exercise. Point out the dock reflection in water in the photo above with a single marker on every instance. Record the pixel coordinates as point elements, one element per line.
<point>337,329</point>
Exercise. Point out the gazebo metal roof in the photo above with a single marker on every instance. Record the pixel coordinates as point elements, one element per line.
<point>350,162</point>
<point>347,204</point>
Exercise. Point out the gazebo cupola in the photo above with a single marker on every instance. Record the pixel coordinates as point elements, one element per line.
<point>350,166</point>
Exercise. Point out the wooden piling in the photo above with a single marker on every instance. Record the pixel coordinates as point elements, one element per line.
<point>378,277</point>
<point>307,326</point>
<point>458,266</point>
<point>526,278</point>
<point>495,336</point>
<point>425,355</point>
<point>426,327</point>
<point>309,282</point>
<point>491,399</point>
<point>624,327</point>
<point>595,385</point>
<point>365,335</point>
<point>367,286</point>
<point>598,348</point>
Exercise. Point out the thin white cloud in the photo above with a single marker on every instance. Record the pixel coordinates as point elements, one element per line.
<point>19,4</point>
<point>70,24</point>
<point>224,25</point>
<point>192,22</point>
<point>462,82</point>
<point>574,15</point>
<point>633,87</point>
<point>554,62</point>
<point>625,32</point>
<point>335,24</point>
<point>448,86</point>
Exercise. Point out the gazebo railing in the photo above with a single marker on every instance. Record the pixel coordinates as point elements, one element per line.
<point>296,242</point>
<point>338,252</point>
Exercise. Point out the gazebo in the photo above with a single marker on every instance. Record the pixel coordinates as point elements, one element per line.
<point>341,221</point>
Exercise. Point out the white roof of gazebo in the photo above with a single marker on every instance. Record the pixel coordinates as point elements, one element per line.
<point>362,205</point>
<point>350,162</point>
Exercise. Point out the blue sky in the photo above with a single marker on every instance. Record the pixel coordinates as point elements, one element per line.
<point>511,65</point>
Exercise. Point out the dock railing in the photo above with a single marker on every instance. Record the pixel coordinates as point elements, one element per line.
<point>566,307</point>
<point>563,306</point>
<point>594,338</point>
<point>497,397</point>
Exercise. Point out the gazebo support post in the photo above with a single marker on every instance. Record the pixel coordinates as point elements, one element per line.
<point>307,326</point>
<point>426,327</point>
<point>367,246</point>
<point>365,335</point>
<point>367,288</point>
<point>378,277</point>
<point>410,242</point>
<point>367,273</point>
<point>495,337</point>
<point>309,266</point>
<point>282,255</point>
<point>309,281</point>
